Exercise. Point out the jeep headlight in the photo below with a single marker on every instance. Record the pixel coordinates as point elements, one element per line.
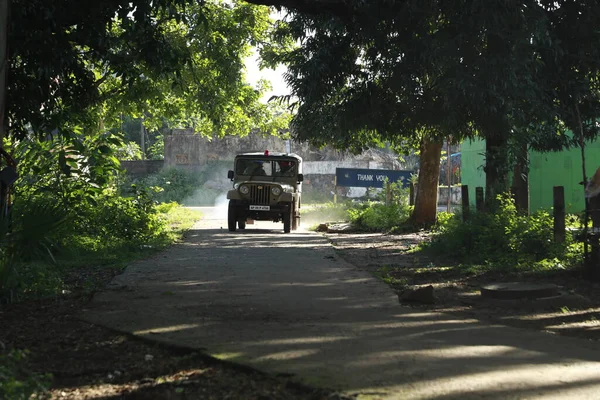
<point>244,189</point>
<point>276,190</point>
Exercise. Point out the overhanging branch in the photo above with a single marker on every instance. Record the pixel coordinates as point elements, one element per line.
<point>315,7</point>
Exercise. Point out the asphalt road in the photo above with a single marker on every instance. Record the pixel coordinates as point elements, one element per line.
<point>285,303</point>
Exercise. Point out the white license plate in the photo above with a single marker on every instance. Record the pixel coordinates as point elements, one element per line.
<point>260,208</point>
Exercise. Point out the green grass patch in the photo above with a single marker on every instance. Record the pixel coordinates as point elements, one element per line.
<point>321,213</point>
<point>390,275</point>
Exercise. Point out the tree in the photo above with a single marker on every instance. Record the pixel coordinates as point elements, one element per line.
<point>370,71</point>
<point>3,61</point>
<point>387,70</point>
<point>73,64</point>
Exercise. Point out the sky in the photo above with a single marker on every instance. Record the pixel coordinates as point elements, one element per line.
<point>254,74</point>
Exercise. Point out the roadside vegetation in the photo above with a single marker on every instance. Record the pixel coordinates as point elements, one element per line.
<point>70,231</point>
<point>176,184</point>
<point>386,210</point>
<point>68,218</point>
<point>503,241</point>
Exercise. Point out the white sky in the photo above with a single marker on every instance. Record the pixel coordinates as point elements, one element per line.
<point>253,74</point>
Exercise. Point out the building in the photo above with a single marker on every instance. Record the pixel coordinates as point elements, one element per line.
<point>546,170</point>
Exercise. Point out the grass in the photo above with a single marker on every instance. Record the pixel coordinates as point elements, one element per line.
<point>320,213</point>
<point>86,265</point>
<point>388,275</point>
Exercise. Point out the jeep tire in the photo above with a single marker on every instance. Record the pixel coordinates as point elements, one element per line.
<point>242,224</point>
<point>231,218</point>
<point>287,221</point>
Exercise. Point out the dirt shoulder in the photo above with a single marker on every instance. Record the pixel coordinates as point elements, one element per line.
<point>88,361</point>
<point>576,312</point>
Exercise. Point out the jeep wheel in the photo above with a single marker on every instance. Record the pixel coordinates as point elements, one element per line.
<point>295,222</point>
<point>242,224</point>
<point>287,221</point>
<point>231,220</point>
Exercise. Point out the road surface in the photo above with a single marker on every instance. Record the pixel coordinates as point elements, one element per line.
<point>285,303</point>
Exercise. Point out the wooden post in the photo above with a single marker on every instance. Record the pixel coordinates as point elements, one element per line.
<point>388,193</point>
<point>594,238</point>
<point>559,214</point>
<point>479,199</point>
<point>464,190</point>
<point>411,194</point>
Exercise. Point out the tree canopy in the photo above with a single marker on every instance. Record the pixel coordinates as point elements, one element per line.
<point>74,63</point>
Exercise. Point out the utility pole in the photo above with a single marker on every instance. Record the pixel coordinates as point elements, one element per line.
<point>4,7</point>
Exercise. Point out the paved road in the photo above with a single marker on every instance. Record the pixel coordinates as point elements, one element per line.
<point>287,304</point>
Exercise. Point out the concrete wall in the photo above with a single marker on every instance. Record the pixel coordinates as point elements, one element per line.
<point>183,147</point>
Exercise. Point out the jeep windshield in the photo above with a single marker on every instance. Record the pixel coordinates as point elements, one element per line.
<point>272,167</point>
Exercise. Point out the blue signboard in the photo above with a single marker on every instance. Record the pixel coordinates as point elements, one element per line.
<point>360,177</point>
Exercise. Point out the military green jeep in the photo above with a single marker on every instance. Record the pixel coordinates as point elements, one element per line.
<point>266,187</point>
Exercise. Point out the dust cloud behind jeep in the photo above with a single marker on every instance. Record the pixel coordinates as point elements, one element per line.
<point>266,187</point>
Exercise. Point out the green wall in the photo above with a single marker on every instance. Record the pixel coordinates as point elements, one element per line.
<point>546,170</point>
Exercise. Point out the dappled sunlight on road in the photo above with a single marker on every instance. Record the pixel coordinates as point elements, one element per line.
<point>287,304</point>
<point>165,329</point>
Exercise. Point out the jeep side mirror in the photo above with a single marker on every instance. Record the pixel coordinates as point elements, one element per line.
<point>300,177</point>
<point>230,174</point>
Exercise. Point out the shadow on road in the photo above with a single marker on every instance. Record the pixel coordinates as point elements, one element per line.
<point>288,304</point>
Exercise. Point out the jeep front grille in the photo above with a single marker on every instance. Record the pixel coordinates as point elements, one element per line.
<point>260,194</point>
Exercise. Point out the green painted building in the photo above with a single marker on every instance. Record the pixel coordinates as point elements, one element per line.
<point>546,171</point>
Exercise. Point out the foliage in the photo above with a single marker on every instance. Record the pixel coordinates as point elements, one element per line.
<point>167,185</point>
<point>67,170</point>
<point>384,214</point>
<point>17,382</point>
<point>66,211</point>
<point>156,151</point>
<point>179,60</point>
<point>505,237</point>
<point>129,151</point>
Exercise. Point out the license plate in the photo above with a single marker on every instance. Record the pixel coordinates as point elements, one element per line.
<point>260,208</point>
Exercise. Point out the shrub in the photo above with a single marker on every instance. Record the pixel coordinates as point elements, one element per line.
<point>505,236</point>
<point>390,211</point>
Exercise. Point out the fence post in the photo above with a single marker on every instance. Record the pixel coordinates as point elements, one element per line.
<point>594,238</point>
<point>464,195</point>
<point>479,198</point>
<point>559,214</point>
<point>411,194</point>
<point>388,193</point>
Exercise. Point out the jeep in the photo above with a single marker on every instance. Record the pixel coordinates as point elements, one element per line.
<point>266,187</point>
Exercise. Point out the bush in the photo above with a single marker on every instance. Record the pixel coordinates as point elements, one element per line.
<point>390,211</point>
<point>505,236</point>
<point>179,185</point>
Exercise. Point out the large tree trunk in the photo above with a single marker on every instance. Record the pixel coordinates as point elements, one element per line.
<point>520,183</point>
<point>424,213</point>
<point>3,64</point>
<point>497,167</point>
